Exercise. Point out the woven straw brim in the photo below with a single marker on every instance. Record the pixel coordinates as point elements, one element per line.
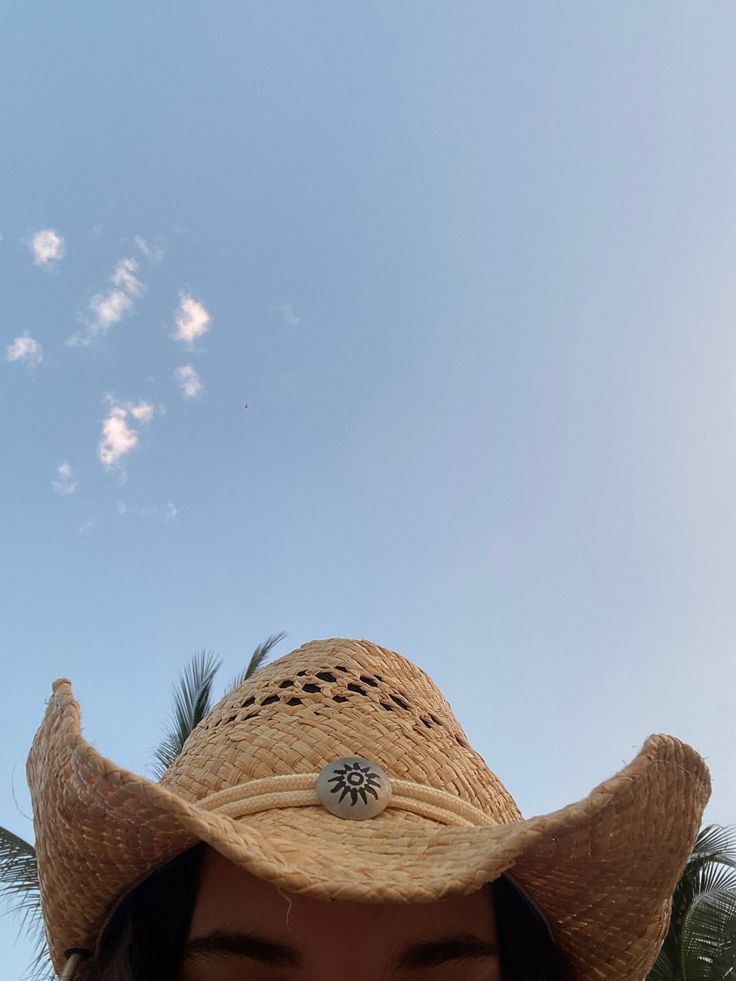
<point>601,870</point>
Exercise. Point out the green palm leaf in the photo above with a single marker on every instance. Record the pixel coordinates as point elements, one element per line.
<point>664,968</point>
<point>701,941</point>
<point>258,656</point>
<point>20,895</point>
<point>708,934</point>
<point>192,698</point>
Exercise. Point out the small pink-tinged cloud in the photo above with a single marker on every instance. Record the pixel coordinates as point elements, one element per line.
<point>124,277</point>
<point>47,247</point>
<point>109,307</point>
<point>189,381</point>
<point>142,411</point>
<point>193,320</point>
<point>154,253</point>
<point>26,350</point>
<point>65,483</point>
<point>119,436</point>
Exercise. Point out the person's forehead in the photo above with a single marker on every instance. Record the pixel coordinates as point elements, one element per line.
<point>232,896</point>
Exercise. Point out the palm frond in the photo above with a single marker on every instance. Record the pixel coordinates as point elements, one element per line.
<point>724,965</point>
<point>665,967</point>
<point>715,847</point>
<point>41,967</point>
<point>709,934</point>
<point>701,939</point>
<point>18,870</point>
<point>192,697</point>
<point>258,656</point>
<point>716,843</point>
<point>20,895</point>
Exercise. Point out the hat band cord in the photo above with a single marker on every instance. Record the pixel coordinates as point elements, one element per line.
<point>73,959</point>
<point>298,790</point>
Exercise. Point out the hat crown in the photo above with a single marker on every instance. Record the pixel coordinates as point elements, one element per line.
<point>600,871</point>
<point>330,699</point>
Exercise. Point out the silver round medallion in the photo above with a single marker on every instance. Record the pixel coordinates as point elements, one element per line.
<point>354,788</point>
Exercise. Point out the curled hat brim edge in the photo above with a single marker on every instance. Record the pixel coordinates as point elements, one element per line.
<point>600,870</point>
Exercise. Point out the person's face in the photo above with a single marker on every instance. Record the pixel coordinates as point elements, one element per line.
<point>239,932</point>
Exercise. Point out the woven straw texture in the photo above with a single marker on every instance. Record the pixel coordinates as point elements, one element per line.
<point>601,870</point>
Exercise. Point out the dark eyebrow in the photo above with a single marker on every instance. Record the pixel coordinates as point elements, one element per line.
<point>453,947</point>
<point>221,943</point>
<point>425,953</point>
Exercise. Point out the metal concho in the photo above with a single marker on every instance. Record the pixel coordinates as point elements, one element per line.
<point>354,788</point>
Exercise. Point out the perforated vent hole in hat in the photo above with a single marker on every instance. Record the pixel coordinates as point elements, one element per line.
<point>390,700</point>
<point>430,720</point>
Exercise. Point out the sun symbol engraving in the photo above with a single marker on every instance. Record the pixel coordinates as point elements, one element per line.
<point>356,780</point>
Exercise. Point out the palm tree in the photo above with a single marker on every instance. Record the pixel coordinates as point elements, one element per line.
<point>701,941</point>
<point>19,887</point>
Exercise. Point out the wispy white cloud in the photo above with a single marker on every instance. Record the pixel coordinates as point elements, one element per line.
<point>287,314</point>
<point>87,527</point>
<point>47,247</point>
<point>108,308</point>
<point>189,381</point>
<point>65,483</point>
<point>26,349</point>
<point>154,253</point>
<point>142,411</point>
<point>119,436</point>
<point>167,512</point>
<point>124,277</point>
<point>193,320</point>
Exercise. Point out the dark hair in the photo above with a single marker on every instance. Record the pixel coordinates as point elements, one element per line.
<point>140,944</point>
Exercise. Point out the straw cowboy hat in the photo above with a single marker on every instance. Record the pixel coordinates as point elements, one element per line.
<point>340,772</point>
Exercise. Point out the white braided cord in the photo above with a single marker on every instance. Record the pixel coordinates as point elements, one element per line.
<point>298,790</point>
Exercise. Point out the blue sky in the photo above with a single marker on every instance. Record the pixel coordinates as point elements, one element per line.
<point>471,267</point>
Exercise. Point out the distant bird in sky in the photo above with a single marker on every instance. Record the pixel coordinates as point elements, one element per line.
<point>245,406</point>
